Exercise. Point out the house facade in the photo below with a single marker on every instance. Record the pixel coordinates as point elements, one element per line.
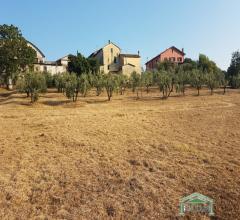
<point>53,67</point>
<point>172,54</point>
<point>113,61</point>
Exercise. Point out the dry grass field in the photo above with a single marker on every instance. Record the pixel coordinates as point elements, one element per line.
<point>124,159</point>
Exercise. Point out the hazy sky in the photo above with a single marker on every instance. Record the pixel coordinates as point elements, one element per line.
<point>58,27</point>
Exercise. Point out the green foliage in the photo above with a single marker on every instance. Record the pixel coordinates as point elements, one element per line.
<point>166,65</point>
<point>223,80</point>
<point>189,65</point>
<point>71,86</point>
<point>122,83</point>
<point>135,80</point>
<point>110,84</point>
<point>84,84</point>
<point>212,80</point>
<point>236,81</point>
<point>147,80</point>
<point>206,65</point>
<point>59,81</point>
<point>182,78</point>
<point>80,65</point>
<point>93,65</point>
<point>234,69</point>
<point>165,82</point>
<point>98,83</point>
<point>197,79</point>
<point>15,55</point>
<point>32,83</point>
<point>49,79</point>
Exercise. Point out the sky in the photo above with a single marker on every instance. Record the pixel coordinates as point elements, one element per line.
<point>60,27</point>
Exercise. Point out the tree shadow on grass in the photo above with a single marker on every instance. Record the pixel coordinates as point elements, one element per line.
<point>56,102</point>
<point>16,103</point>
<point>95,101</point>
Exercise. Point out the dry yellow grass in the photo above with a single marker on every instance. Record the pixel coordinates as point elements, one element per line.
<point>124,159</point>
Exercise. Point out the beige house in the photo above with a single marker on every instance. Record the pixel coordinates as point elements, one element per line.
<point>112,61</point>
<point>52,67</point>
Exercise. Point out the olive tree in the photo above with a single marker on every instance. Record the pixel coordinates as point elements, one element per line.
<point>84,83</point>
<point>197,79</point>
<point>59,81</point>
<point>134,80</point>
<point>212,80</point>
<point>147,80</point>
<point>32,83</point>
<point>49,79</point>
<point>110,84</point>
<point>165,82</point>
<point>122,83</point>
<point>98,83</point>
<point>181,80</point>
<point>71,86</point>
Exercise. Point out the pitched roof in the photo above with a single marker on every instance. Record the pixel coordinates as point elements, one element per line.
<point>63,57</point>
<point>33,45</point>
<point>97,51</point>
<point>173,48</point>
<point>130,55</point>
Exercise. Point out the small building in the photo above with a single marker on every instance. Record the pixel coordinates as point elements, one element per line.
<point>52,67</point>
<point>172,54</point>
<point>113,61</point>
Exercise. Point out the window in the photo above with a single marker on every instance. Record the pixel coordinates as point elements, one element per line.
<point>111,50</point>
<point>115,59</point>
<point>165,59</point>
<point>179,59</point>
<point>45,68</point>
<point>108,67</point>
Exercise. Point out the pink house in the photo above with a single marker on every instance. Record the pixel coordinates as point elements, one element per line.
<point>172,54</point>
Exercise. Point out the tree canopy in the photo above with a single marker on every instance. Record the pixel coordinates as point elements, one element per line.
<point>15,54</point>
<point>80,64</point>
<point>234,69</point>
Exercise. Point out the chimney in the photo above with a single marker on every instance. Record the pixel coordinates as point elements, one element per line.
<point>138,52</point>
<point>183,50</point>
<point>109,41</point>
